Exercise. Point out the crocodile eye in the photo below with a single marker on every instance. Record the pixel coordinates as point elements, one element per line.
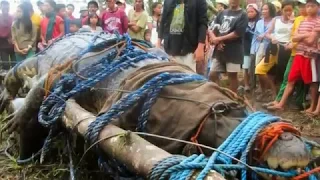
<point>286,136</point>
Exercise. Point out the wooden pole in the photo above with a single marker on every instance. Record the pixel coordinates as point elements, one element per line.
<point>137,154</point>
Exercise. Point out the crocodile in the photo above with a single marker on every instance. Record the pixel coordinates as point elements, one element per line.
<point>288,152</point>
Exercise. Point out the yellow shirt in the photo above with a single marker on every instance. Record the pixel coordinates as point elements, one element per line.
<point>295,26</point>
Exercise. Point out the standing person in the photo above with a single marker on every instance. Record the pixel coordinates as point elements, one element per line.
<point>278,7</point>
<point>153,22</point>
<point>299,87</point>
<point>83,13</point>
<point>93,7</point>
<point>70,10</point>
<point>114,19</point>
<point>138,18</point>
<point>229,53</point>
<point>277,55</point>
<point>253,16</point>
<point>6,47</point>
<point>259,41</point>
<point>24,34</point>
<point>52,26</point>
<point>94,23</point>
<point>184,38</point>
<point>40,5</point>
<point>121,4</point>
<point>62,12</point>
<point>303,66</point>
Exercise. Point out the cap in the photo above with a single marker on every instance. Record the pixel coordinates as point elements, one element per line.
<point>224,2</point>
<point>254,6</point>
<point>277,4</point>
<point>302,1</point>
<point>83,8</point>
<point>121,1</point>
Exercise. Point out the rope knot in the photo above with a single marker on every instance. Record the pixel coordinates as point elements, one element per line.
<point>270,134</point>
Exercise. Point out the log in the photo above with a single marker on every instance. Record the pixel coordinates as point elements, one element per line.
<point>137,154</point>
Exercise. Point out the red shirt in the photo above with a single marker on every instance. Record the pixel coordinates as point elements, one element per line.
<point>56,28</point>
<point>115,21</point>
<point>71,17</point>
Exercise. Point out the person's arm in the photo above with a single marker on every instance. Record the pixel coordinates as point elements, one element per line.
<point>34,36</point>
<point>271,29</point>
<point>255,38</point>
<point>141,24</point>
<point>240,29</point>
<point>314,34</point>
<point>202,19</point>
<point>150,19</point>
<point>299,37</point>
<point>125,22</point>
<point>61,27</point>
<point>14,38</point>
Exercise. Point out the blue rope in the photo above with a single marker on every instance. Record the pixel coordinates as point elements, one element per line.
<point>239,143</point>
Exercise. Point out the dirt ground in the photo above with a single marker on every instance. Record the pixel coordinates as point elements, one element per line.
<point>59,168</point>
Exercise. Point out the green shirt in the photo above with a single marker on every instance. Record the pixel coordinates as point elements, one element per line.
<point>141,21</point>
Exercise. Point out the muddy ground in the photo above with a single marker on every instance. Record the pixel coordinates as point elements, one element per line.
<point>58,166</point>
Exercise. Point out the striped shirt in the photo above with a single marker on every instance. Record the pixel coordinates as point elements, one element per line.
<point>307,26</point>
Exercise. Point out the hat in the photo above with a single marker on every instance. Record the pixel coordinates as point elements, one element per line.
<point>121,1</point>
<point>316,1</point>
<point>277,4</point>
<point>83,8</point>
<point>254,6</point>
<point>224,2</point>
<point>302,1</point>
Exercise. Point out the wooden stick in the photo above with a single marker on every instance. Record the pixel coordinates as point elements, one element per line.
<point>137,154</point>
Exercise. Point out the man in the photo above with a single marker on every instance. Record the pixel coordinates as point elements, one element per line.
<point>62,12</point>
<point>114,19</point>
<point>70,10</point>
<point>83,12</point>
<point>6,46</point>
<point>229,52</point>
<point>184,37</point>
<point>92,9</point>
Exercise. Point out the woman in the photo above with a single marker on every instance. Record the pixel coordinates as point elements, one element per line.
<point>137,20</point>
<point>24,34</point>
<point>253,16</point>
<point>154,21</point>
<point>259,41</point>
<point>279,49</point>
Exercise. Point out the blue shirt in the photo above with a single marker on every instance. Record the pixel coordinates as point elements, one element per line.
<point>260,29</point>
<point>66,25</point>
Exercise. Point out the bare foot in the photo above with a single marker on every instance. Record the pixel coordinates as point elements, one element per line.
<point>275,107</point>
<point>272,103</point>
<point>308,111</point>
<point>312,114</point>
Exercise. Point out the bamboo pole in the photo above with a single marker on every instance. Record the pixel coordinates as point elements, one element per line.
<point>130,149</point>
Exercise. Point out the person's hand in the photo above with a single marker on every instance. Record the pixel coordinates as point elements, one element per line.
<point>274,41</point>
<point>44,43</point>
<point>260,37</point>
<point>50,42</point>
<point>220,46</point>
<point>215,40</point>
<point>199,54</point>
<point>288,46</point>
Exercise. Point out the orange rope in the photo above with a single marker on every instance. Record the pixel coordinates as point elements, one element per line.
<point>194,138</point>
<point>306,174</point>
<point>55,73</point>
<point>270,135</point>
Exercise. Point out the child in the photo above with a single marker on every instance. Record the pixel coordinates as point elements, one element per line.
<point>93,23</point>
<point>75,25</point>
<point>253,15</point>
<point>147,35</point>
<point>303,66</point>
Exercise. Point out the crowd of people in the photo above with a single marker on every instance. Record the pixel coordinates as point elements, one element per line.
<point>26,32</point>
<point>278,41</point>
